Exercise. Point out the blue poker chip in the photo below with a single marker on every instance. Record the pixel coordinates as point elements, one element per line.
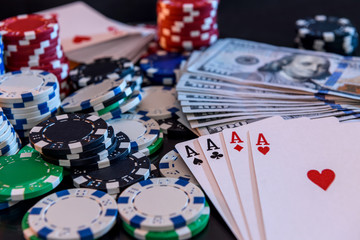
<point>162,64</point>
<point>5,205</point>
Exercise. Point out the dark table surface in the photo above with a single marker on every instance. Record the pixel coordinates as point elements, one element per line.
<point>269,21</point>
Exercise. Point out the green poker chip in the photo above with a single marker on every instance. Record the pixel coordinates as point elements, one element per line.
<point>111,107</point>
<point>185,232</point>
<point>153,148</point>
<point>27,149</point>
<point>27,175</point>
<point>27,231</point>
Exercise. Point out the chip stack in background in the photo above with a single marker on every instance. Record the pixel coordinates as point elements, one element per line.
<point>187,24</point>
<point>32,41</point>
<point>327,34</point>
<point>28,97</point>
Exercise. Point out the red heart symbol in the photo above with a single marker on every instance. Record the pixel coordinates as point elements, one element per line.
<point>323,179</point>
<point>79,39</point>
<point>264,150</point>
<point>113,29</point>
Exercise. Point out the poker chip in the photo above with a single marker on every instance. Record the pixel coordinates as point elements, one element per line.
<point>142,130</point>
<point>174,129</point>
<point>186,232</point>
<point>160,67</point>
<point>135,167</point>
<point>9,139</point>
<point>29,234</point>
<point>8,204</point>
<point>176,202</point>
<point>327,33</point>
<point>93,94</point>
<point>95,215</point>
<point>187,25</point>
<point>158,102</point>
<point>172,165</point>
<point>153,148</point>
<point>130,103</point>
<point>120,152</point>
<point>32,42</point>
<point>27,175</point>
<point>99,70</point>
<point>68,134</point>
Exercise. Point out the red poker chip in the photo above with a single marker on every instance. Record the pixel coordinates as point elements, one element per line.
<point>30,48</point>
<point>191,25</point>
<point>181,12</point>
<point>28,27</point>
<point>186,33</point>
<point>52,36</point>
<point>34,63</point>
<point>186,45</point>
<point>48,67</point>
<point>186,17</point>
<point>46,53</point>
<point>186,5</point>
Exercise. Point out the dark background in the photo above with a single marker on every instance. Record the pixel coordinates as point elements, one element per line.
<point>269,21</point>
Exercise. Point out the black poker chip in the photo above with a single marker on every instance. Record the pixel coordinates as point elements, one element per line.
<point>174,129</point>
<point>68,134</point>
<point>135,167</point>
<point>99,70</point>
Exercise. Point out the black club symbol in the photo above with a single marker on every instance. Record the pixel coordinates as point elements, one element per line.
<point>216,155</point>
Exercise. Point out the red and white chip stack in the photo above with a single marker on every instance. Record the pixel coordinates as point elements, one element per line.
<point>32,41</point>
<point>187,24</point>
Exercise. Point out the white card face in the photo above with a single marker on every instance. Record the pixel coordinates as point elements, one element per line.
<point>194,158</point>
<point>217,158</point>
<point>82,26</point>
<point>308,180</point>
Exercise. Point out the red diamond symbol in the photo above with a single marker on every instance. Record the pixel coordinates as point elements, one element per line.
<point>238,147</point>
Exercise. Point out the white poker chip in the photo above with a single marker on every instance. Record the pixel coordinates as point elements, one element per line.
<point>142,130</point>
<point>27,86</point>
<point>172,165</point>
<point>159,102</point>
<point>161,204</point>
<point>73,214</point>
<point>94,94</point>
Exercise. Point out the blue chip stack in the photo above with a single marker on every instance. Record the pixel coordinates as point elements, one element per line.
<point>9,140</point>
<point>160,68</point>
<point>327,34</point>
<point>2,66</point>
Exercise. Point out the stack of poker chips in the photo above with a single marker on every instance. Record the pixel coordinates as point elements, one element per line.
<point>143,215</point>
<point>28,97</point>
<point>99,70</point>
<point>9,140</point>
<point>98,157</point>
<point>187,25</point>
<point>32,41</point>
<point>107,98</point>
<point>161,67</point>
<point>327,34</point>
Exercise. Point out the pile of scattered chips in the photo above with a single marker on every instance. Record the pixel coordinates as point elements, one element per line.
<point>9,140</point>
<point>178,209</point>
<point>26,175</point>
<point>28,97</point>
<point>96,214</point>
<point>99,70</point>
<point>161,66</point>
<point>32,41</point>
<point>187,25</point>
<point>108,98</point>
<point>329,34</point>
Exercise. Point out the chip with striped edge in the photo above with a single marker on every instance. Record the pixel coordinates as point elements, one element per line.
<point>95,214</point>
<point>175,203</point>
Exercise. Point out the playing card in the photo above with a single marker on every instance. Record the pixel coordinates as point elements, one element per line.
<point>307,180</point>
<point>218,160</point>
<point>194,158</point>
